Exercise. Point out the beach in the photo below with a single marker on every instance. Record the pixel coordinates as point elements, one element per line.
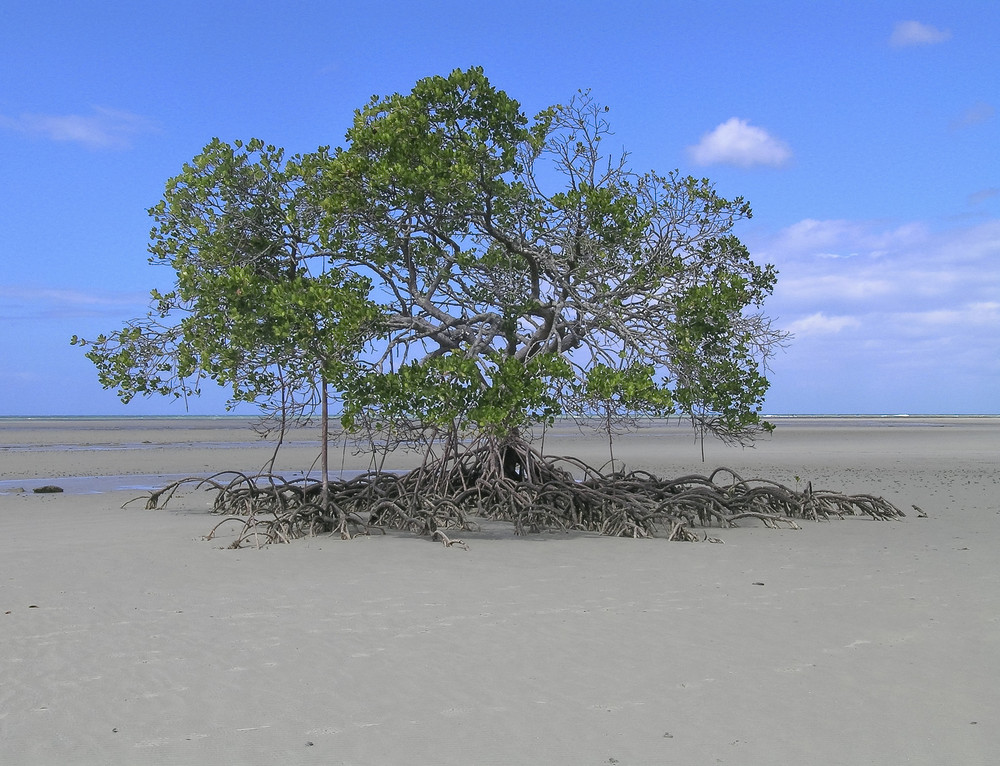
<point>129,638</point>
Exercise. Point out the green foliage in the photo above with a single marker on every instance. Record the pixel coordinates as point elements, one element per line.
<point>454,266</point>
<point>624,391</point>
<point>495,396</point>
<point>255,306</point>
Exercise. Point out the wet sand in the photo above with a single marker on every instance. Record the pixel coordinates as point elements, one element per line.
<point>130,639</point>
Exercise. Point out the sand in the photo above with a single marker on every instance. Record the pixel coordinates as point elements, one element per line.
<point>127,638</point>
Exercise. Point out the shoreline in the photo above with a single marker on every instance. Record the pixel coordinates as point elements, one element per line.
<point>801,446</point>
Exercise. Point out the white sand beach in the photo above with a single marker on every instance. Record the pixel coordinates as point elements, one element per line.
<point>128,638</point>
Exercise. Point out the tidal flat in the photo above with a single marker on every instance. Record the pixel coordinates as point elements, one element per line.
<point>130,638</point>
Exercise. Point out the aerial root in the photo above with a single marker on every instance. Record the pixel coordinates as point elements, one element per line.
<point>448,542</point>
<point>551,494</point>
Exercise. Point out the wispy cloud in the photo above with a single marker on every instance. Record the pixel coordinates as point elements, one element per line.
<point>895,266</point>
<point>981,314</point>
<point>910,312</point>
<point>981,196</point>
<point>976,114</point>
<point>856,286</point>
<point>821,324</point>
<point>17,302</point>
<point>836,238</point>
<point>101,129</point>
<point>737,142</point>
<point>909,33</point>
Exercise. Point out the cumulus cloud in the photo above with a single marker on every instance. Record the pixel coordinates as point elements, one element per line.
<point>910,33</point>
<point>101,129</point>
<point>737,142</point>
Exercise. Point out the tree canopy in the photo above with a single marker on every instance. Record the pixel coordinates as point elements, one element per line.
<point>455,273</point>
<point>457,266</point>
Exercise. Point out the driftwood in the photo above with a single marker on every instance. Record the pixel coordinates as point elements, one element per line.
<point>513,483</point>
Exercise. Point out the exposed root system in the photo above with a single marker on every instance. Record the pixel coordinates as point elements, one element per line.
<point>517,484</point>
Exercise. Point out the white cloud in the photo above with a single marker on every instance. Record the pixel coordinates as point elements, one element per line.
<point>908,324</point>
<point>737,142</point>
<point>900,265</point>
<point>909,297</point>
<point>102,129</point>
<point>982,314</point>
<point>851,286</point>
<point>821,324</point>
<point>909,33</point>
<point>838,239</point>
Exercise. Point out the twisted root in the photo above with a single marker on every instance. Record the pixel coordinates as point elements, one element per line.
<point>444,494</point>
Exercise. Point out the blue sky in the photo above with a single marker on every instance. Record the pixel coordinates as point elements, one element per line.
<point>865,135</point>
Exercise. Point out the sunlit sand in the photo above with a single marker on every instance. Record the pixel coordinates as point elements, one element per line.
<point>128,638</point>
